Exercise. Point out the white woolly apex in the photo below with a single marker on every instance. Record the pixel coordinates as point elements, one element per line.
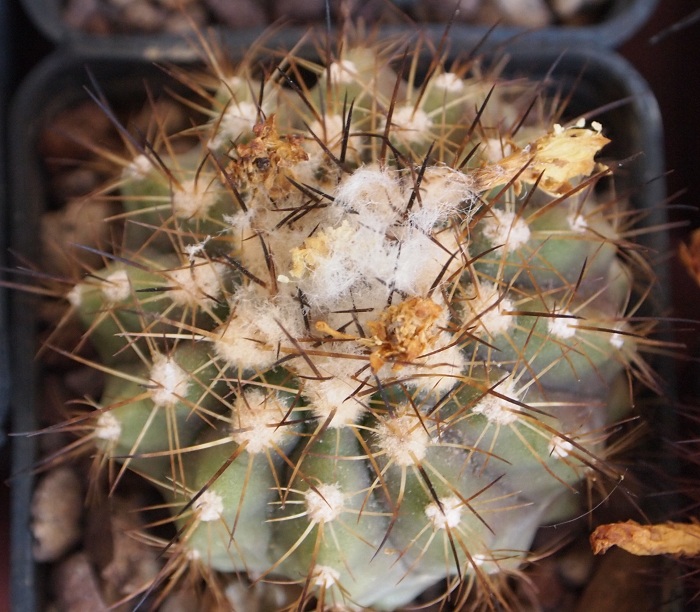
<point>497,410</point>
<point>325,503</point>
<point>116,287</point>
<point>410,125</point>
<point>325,576</point>
<point>209,506</point>
<point>562,326</point>
<point>558,447</point>
<point>256,420</point>
<point>491,314</point>
<point>170,381</point>
<point>577,222</point>
<point>367,246</point>
<point>449,81</point>
<point>376,195</point>
<point>448,516</point>
<point>197,285</point>
<point>108,427</point>
<point>193,200</point>
<point>343,72</point>
<point>138,168</point>
<point>507,229</point>
<point>238,119</point>
<point>403,439</point>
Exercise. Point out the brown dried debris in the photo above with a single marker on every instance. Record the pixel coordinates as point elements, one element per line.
<point>260,160</point>
<point>404,332</point>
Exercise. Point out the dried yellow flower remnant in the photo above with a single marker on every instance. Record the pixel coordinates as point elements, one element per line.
<point>404,331</point>
<point>557,157</point>
<point>318,248</point>
<point>664,539</point>
<point>260,160</point>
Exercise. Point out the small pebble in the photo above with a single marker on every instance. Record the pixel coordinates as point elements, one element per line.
<point>76,586</point>
<point>57,507</point>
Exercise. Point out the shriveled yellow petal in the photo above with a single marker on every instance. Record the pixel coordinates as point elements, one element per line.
<point>664,539</point>
<point>558,157</point>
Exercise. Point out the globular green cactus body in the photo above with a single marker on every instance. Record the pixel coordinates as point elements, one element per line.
<point>379,367</point>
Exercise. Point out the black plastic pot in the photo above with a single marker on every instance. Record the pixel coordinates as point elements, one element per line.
<point>629,114</point>
<point>4,86</point>
<point>619,22</point>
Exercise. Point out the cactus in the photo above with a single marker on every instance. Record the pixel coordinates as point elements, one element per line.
<point>365,330</point>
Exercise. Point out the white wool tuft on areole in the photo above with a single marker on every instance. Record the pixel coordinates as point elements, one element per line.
<point>138,168</point>
<point>403,439</point>
<point>325,576</point>
<point>238,119</point>
<point>330,130</point>
<point>257,420</point>
<point>506,229</point>
<point>193,200</point>
<point>488,309</point>
<point>410,125</point>
<point>562,326</point>
<point>497,409</point>
<point>449,81</point>
<point>257,329</point>
<point>170,381</point>
<point>209,506</point>
<point>617,340</point>
<point>577,222</point>
<point>558,447</point>
<point>495,149</point>
<point>197,284</point>
<point>116,287</point>
<point>108,427</point>
<point>448,516</point>
<point>75,296</point>
<point>342,72</point>
<point>325,503</point>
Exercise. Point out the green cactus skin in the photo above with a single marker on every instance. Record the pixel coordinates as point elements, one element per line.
<point>348,360</point>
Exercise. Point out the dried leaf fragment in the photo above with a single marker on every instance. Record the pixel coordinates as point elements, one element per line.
<point>663,539</point>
